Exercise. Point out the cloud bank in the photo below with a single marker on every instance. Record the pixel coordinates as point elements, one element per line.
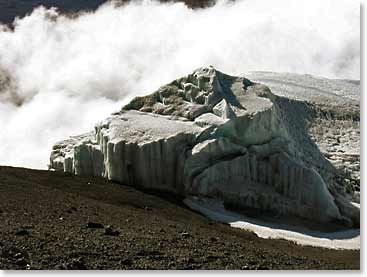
<point>61,75</point>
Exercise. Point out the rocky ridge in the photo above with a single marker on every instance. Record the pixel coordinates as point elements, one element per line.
<point>214,135</point>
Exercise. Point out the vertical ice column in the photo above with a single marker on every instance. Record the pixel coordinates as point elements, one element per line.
<point>284,177</point>
<point>269,174</point>
<point>246,165</point>
<point>292,181</point>
<point>262,172</point>
<point>253,167</point>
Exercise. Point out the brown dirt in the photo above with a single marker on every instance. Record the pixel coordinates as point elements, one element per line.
<point>47,221</point>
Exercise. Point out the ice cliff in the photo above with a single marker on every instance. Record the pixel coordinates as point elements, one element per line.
<point>214,135</point>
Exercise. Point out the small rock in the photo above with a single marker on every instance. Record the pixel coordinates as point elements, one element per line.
<point>95,225</point>
<point>127,262</point>
<point>76,264</point>
<point>71,210</point>
<point>18,255</point>
<point>191,261</point>
<point>110,232</point>
<point>212,239</point>
<point>185,235</point>
<point>22,232</point>
<point>21,262</point>
<point>61,267</point>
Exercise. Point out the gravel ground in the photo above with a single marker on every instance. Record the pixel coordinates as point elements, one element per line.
<point>55,221</point>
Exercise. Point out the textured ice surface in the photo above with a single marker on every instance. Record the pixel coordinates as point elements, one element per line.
<point>308,88</point>
<point>211,134</point>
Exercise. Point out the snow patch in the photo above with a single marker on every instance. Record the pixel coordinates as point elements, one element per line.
<point>214,209</point>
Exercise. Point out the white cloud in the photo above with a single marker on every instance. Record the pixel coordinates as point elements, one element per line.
<point>71,73</point>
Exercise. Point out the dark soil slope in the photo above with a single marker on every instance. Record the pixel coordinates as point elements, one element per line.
<point>51,220</point>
